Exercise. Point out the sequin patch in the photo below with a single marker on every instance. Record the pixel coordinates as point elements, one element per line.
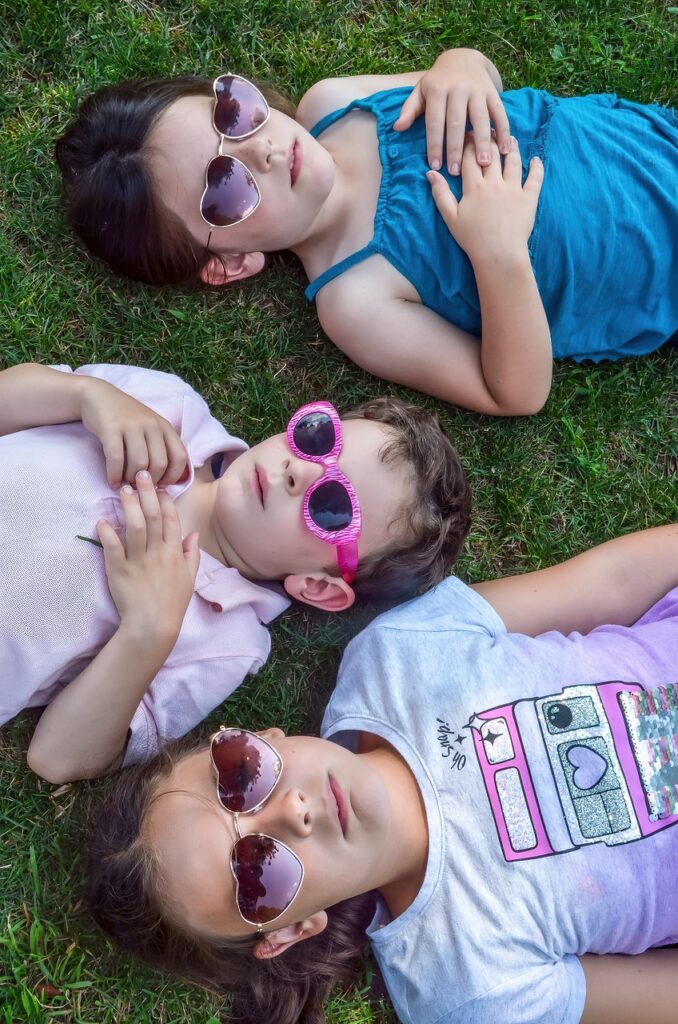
<point>575,713</point>
<point>516,812</point>
<point>497,741</point>
<point>586,768</point>
<point>652,720</point>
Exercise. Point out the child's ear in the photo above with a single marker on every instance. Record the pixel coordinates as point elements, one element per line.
<point>271,734</point>
<point>331,593</point>
<point>231,266</point>
<point>275,943</point>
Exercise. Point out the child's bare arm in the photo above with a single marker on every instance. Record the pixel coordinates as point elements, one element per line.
<point>35,396</point>
<point>507,373</point>
<point>132,436</point>
<point>82,733</point>
<point>615,582</point>
<point>628,989</point>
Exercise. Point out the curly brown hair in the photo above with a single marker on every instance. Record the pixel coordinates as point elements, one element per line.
<point>111,200</point>
<point>436,521</point>
<point>126,898</point>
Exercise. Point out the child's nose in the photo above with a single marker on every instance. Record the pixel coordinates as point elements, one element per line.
<point>257,152</point>
<point>299,474</point>
<point>290,814</point>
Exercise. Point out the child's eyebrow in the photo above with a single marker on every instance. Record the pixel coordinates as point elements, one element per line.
<point>211,802</point>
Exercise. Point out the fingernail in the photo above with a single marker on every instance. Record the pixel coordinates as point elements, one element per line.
<point>484,157</point>
<point>435,164</point>
<point>455,169</point>
<point>126,489</point>
<point>505,147</point>
<point>143,474</point>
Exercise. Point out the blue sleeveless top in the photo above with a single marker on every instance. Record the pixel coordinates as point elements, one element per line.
<point>604,248</point>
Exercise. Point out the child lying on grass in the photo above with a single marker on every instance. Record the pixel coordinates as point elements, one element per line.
<point>465,297</point>
<point>494,797</point>
<point>375,504</point>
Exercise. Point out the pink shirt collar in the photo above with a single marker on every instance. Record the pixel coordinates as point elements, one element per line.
<point>225,588</point>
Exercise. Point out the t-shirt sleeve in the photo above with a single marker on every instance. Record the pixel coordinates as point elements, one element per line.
<point>417,648</point>
<point>180,697</point>
<point>449,607</point>
<point>162,392</point>
<point>547,994</point>
<point>165,393</point>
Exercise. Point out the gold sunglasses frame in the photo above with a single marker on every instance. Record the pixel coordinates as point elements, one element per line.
<point>279,765</point>
<point>235,138</point>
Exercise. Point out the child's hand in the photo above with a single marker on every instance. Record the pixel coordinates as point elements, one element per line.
<point>495,216</point>
<point>457,88</point>
<point>151,577</point>
<point>132,436</point>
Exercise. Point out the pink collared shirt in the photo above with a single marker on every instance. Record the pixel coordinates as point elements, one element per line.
<point>56,611</point>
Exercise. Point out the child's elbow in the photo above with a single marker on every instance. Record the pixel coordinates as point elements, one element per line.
<point>528,404</point>
<point>529,407</point>
<point>47,768</point>
<point>54,768</point>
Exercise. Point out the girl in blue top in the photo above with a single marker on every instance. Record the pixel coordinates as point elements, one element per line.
<point>168,183</point>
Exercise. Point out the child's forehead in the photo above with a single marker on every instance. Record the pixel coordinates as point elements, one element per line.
<point>365,441</point>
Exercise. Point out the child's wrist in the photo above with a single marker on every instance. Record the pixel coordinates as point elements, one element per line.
<point>147,637</point>
<point>465,52</point>
<point>86,387</point>
<point>492,258</point>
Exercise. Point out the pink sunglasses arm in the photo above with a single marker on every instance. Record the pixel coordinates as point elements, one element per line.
<point>347,560</point>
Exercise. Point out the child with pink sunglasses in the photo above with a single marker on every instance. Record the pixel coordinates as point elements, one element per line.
<point>132,613</point>
<point>560,244</point>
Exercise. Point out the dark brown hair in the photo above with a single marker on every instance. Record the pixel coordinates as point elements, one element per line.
<point>437,520</point>
<point>112,203</point>
<point>126,898</point>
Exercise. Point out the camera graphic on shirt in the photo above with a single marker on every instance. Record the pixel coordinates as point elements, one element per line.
<point>603,748</point>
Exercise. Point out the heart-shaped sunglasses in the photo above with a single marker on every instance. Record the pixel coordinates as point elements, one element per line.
<point>231,194</point>
<point>268,875</point>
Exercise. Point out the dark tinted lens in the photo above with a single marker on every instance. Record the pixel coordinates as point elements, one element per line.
<point>231,193</point>
<point>248,769</point>
<point>314,434</point>
<point>330,506</point>
<point>268,876</point>
<point>239,108</point>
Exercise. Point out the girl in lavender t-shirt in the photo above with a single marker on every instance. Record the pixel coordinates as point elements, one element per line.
<point>498,773</point>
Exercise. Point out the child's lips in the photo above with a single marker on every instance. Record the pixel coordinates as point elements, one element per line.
<point>295,161</point>
<point>340,800</point>
<point>260,484</point>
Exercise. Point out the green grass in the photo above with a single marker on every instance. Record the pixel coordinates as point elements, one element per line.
<point>599,460</point>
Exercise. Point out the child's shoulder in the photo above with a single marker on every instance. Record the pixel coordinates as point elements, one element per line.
<point>332,94</point>
<point>326,96</point>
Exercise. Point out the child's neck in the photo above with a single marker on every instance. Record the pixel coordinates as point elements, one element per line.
<point>195,507</point>
<point>345,222</point>
<point>320,242</point>
<point>403,878</point>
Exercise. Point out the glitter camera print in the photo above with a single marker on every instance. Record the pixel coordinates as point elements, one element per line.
<point>591,764</point>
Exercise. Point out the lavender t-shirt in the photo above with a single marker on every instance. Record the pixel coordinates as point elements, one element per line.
<point>549,780</point>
